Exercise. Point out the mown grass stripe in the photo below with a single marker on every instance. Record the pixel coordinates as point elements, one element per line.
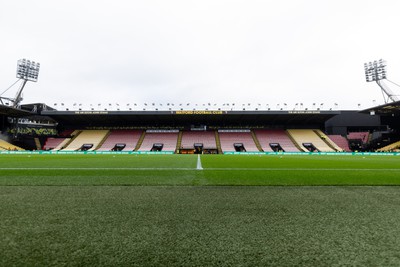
<point>209,169</point>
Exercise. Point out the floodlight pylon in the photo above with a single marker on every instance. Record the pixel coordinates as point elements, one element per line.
<point>27,70</point>
<point>376,72</point>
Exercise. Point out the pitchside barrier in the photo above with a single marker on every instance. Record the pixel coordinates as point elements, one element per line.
<point>42,152</point>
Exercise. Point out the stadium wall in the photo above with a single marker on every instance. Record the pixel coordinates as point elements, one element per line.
<point>352,121</point>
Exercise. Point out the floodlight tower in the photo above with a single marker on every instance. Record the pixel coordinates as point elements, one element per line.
<point>376,72</point>
<point>27,71</point>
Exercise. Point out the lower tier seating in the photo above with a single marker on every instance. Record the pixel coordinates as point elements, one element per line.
<point>391,147</point>
<point>168,141</point>
<point>304,137</point>
<point>129,138</point>
<point>341,141</point>
<point>189,138</point>
<point>92,138</point>
<point>267,137</point>
<point>52,143</point>
<point>229,139</point>
<point>4,145</point>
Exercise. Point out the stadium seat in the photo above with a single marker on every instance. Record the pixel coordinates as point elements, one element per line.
<point>275,136</point>
<point>168,139</point>
<point>363,136</point>
<point>127,137</point>
<point>93,137</point>
<point>307,137</point>
<point>207,138</point>
<point>341,141</point>
<point>228,139</point>
<point>4,145</point>
<point>391,147</point>
<point>52,143</point>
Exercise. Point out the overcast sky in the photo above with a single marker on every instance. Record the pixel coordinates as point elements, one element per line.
<point>208,51</point>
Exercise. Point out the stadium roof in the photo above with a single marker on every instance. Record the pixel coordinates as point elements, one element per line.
<point>190,117</point>
<point>13,112</point>
<point>389,109</point>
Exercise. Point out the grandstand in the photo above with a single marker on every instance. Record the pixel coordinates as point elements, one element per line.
<point>227,131</point>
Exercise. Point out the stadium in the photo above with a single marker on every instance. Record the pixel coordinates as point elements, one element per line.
<point>204,129</point>
<point>198,186</point>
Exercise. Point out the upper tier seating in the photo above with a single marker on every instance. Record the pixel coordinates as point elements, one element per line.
<point>227,140</point>
<point>266,137</point>
<point>302,136</point>
<point>363,136</point>
<point>341,141</point>
<point>191,137</point>
<point>127,137</point>
<point>93,137</point>
<point>168,140</point>
<point>4,145</point>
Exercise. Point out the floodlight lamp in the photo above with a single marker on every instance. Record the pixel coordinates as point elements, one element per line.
<point>375,71</point>
<point>28,70</point>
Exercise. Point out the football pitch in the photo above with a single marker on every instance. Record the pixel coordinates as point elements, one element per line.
<point>212,210</point>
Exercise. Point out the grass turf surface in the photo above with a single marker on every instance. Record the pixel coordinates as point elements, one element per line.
<point>51,214</point>
<point>181,170</point>
<point>199,226</point>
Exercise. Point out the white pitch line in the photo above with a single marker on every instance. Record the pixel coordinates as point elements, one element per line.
<point>199,167</point>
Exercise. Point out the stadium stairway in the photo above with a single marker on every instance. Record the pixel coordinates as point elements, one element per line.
<point>140,141</point>
<point>68,141</point>
<point>328,141</point>
<point>218,141</point>
<point>256,141</point>
<point>38,144</point>
<point>299,147</point>
<point>103,140</point>
<point>179,142</point>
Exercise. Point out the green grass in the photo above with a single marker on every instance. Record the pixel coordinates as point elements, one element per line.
<point>199,226</point>
<point>159,210</point>
<point>181,170</point>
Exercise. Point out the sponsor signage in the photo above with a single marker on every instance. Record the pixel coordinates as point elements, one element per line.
<point>199,112</point>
